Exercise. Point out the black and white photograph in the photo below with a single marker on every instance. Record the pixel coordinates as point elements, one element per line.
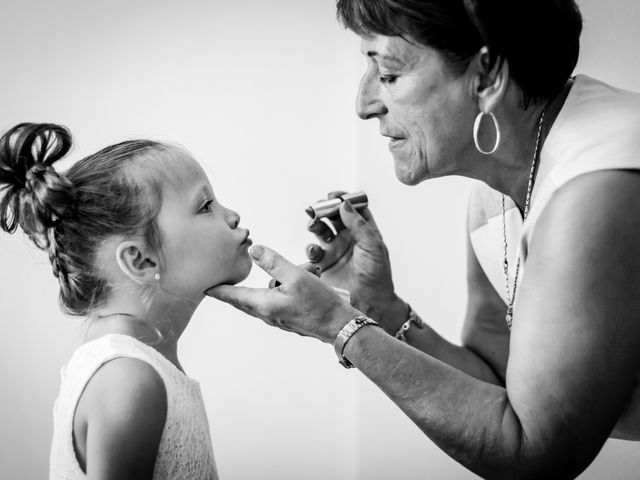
<point>320,240</point>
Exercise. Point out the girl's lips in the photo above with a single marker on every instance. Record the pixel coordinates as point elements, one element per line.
<point>246,241</point>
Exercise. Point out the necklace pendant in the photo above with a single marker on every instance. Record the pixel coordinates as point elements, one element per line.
<point>509,317</point>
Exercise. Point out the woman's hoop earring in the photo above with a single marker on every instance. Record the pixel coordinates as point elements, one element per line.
<point>476,129</point>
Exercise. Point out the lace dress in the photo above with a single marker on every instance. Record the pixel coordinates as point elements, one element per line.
<point>185,451</point>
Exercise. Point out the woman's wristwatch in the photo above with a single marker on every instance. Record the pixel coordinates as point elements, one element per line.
<point>345,335</point>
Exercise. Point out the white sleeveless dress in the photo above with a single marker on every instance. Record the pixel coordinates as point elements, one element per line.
<point>185,451</point>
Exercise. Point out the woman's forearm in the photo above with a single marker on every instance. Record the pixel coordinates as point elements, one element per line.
<point>471,420</point>
<point>427,340</point>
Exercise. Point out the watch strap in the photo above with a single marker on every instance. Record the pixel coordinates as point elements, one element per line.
<point>345,335</point>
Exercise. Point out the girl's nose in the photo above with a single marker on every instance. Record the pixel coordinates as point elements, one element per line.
<point>233,218</point>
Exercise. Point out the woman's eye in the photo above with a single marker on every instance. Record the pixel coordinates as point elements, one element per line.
<point>388,79</point>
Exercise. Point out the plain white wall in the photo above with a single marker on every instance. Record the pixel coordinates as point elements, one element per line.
<point>253,89</point>
<point>423,227</point>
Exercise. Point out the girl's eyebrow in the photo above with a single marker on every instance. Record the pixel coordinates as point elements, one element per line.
<point>203,191</point>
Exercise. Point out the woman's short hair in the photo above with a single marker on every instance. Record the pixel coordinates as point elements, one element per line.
<point>538,38</point>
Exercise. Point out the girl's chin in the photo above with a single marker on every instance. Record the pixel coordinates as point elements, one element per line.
<point>241,273</point>
<point>245,273</point>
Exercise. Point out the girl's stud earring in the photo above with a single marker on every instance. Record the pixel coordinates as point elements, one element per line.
<point>157,276</point>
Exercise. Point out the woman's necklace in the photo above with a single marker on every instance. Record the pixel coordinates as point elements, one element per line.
<point>511,297</point>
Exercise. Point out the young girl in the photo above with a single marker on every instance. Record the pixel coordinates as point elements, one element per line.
<point>135,236</point>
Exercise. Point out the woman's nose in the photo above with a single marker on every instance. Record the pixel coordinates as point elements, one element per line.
<point>368,102</point>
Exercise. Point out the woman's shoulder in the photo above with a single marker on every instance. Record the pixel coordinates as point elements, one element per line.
<point>598,123</point>
<point>598,129</point>
<point>588,92</point>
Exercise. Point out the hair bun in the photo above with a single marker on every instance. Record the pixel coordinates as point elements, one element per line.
<point>36,175</point>
<point>47,198</point>
<point>36,196</point>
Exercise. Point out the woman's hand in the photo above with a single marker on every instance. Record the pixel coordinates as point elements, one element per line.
<point>300,302</point>
<point>357,260</point>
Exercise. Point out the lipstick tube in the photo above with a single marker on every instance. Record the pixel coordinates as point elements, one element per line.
<point>329,208</point>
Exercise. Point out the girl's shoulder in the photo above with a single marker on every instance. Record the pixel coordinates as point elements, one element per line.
<point>122,385</point>
<point>121,380</point>
<point>112,377</point>
<point>124,406</point>
<point>118,372</point>
<point>91,355</point>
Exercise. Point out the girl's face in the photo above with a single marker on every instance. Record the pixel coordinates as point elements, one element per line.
<point>203,245</point>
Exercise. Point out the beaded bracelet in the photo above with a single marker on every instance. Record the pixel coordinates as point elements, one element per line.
<point>414,319</point>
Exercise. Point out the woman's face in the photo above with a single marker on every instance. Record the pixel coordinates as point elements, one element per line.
<point>423,107</point>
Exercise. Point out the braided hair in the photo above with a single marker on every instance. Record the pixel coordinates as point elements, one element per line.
<point>116,191</point>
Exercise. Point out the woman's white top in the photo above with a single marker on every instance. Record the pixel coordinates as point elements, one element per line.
<point>598,128</point>
<point>185,451</point>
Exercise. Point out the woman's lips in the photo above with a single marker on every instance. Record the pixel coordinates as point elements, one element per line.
<point>395,142</point>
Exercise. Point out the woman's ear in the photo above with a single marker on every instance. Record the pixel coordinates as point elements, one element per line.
<point>489,82</point>
<point>136,263</point>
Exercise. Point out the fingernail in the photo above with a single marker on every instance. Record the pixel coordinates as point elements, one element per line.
<point>329,238</point>
<point>348,207</point>
<point>256,251</point>
<point>314,226</point>
<point>314,254</point>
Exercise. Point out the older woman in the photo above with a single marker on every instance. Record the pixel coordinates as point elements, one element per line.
<point>550,358</point>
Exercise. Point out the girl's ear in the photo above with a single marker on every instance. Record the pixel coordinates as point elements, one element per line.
<point>489,83</point>
<point>135,263</point>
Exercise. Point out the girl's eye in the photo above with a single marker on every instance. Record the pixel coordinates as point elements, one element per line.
<point>388,79</point>
<point>207,207</point>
